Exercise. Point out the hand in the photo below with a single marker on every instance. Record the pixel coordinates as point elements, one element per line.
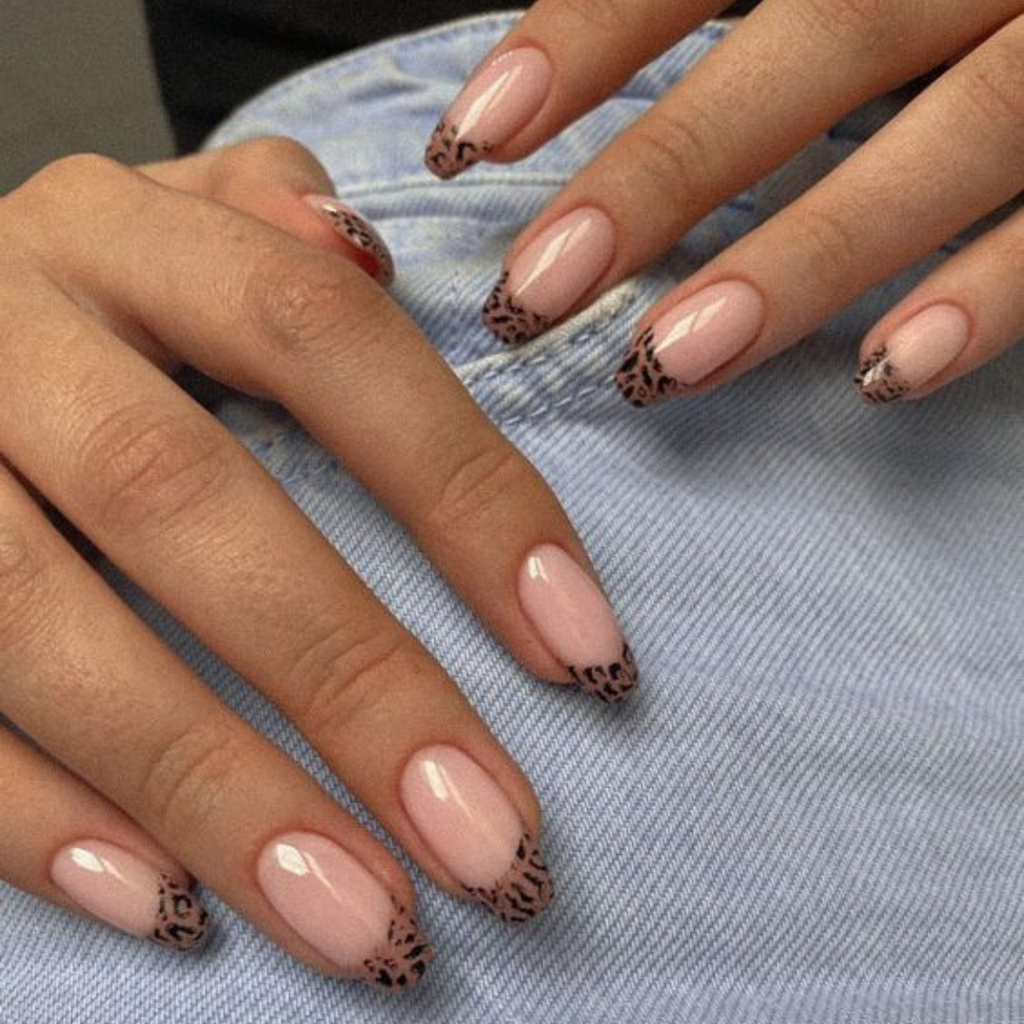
<point>237,263</point>
<point>789,71</point>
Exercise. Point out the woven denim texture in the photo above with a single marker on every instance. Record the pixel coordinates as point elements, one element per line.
<point>813,811</point>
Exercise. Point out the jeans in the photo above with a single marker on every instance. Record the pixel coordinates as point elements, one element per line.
<point>813,810</point>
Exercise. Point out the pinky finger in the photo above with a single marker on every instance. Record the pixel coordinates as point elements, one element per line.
<point>962,316</point>
<point>60,840</point>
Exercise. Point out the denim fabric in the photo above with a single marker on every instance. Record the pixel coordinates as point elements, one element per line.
<point>813,812</point>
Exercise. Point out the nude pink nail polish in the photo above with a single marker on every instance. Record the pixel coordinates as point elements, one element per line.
<point>576,623</point>
<point>470,825</point>
<point>915,352</point>
<point>689,342</point>
<point>550,275</point>
<point>494,105</point>
<point>370,251</point>
<point>342,910</point>
<point>129,893</point>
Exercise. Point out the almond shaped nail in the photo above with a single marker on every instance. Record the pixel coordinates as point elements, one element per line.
<point>550,275</point>
<point>371,250</point>
<point>129,893</point>
<point>471,826</point>
<point>341,909</point>
<point>494,105</point>
<point>689,342</point>
<point>914,353</point>
<point>577,624</point>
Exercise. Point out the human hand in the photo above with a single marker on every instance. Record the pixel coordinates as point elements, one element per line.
<point>790,70</point>
<point>235,262</point>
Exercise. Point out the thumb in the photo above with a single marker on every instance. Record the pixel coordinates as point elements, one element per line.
<point>282,183</point>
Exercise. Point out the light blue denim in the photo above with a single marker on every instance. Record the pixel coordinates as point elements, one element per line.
<point>813,812</point>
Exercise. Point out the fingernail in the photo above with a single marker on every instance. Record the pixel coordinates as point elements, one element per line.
<point>914,353</point>
<point>493,106</point>
<point>576,623</point>
<point>369,250</point>
<point>550,275</point>
<point>470,825</point>
<point>342,910</point>
<point>690,342</point>
<point>129,893</point>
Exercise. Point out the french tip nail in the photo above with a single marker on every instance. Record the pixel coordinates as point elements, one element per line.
<point>447,156</point>
<point>399,964</point>
<point>641,379</point>
<point>524,891</point>
<point>510,321</point>
<point>610,683</point>
<point>355,229</point>
<point>182,922</point>
<point>878,380</point>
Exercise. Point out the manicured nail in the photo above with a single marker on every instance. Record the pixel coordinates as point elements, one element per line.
<point>914,353</point>
<point>494,105</point>
<point>368,248</point>
<point>690,342</point>
<point>129,893</point>
<point>550,275</point>
<point>343,911</point>
<point>470,825</point>
<point>577,623</point>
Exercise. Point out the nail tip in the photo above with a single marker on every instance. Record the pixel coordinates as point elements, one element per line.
<point>361,234</point>
<point>879,380</point>
<point>512,323</point>
<point>524,891</point>
<point>641,379</point>
<point>448,156</point>
<point>610,683</point>
<point>399,964</point>
<point>182,922</point>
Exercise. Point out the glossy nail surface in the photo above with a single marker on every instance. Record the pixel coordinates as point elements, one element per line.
<point>493,106</point>
<point>550,275</point>
<point>342,910</point>
<point>470,825</point>
<point>129,893</point>
<point>576,623</point>
<point>369,249</point>
<point>689,342</point>
<point>914,353</point>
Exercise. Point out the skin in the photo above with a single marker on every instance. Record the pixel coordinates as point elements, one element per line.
<point>216,261</point>
<point>787,73</point>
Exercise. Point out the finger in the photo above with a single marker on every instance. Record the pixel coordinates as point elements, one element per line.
<point>792,69</point>
<point>280,319</point>
<point>282,183</point>
<point>858,226</point>
<point>82,676</point>
<point>540,77</point>
<point>961,317</point>
<point>65,843</point>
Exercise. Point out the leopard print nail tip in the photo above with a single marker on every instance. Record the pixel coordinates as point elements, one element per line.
<point>510,321</point>
<point>181,920</point>
<point>608,683</point>
<point>447,155</point>
<point>641,379</point>
<point>524,890</point>
<point>364,236</point>
<point>879,379</point>
<point>399,963</point>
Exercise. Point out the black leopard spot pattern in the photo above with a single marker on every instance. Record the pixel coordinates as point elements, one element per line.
<point>641,379</point>
<point>399,963</point>
<point>609,683</point>
<point>448,156</point>
<point>524,890</point>
<point>879,378</point>
<point>180,917</point>
<point>362,234</point>
<point>510,321</point>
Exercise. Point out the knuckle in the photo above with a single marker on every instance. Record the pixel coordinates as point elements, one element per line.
<point>188,778</point>
<point>261,156</point>
<point>23,587</point>
<point>300,300</point>
<point>148,470</point>
<point>608,16</point>
<point>339,680</point>
<point>993,85</point>
<point>483,481</point>
<point>674,155</point>
<point>80,174</point>
<point>869,25</point>
<point>827,243</point>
